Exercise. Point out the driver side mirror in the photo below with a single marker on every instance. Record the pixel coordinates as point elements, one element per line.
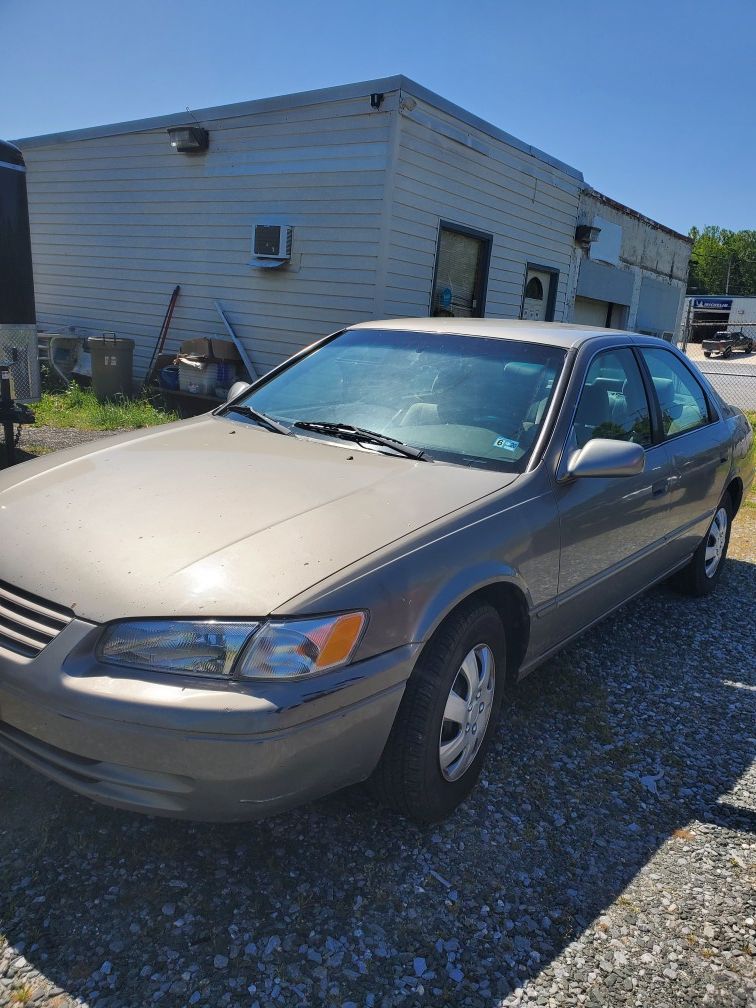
<point>603,457</point>
<point>237,389</point>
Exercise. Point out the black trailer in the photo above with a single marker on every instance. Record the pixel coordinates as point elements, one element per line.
<point>19,362</point>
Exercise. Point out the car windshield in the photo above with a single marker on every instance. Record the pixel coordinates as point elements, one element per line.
<point>463,399</point>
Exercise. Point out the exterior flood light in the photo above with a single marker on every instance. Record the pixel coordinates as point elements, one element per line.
<point>188,139</point>
<point>586,234</point>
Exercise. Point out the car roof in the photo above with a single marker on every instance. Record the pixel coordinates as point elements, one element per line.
<point>560,334</point>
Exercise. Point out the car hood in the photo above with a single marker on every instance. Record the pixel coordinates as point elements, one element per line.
<point>211,517</point>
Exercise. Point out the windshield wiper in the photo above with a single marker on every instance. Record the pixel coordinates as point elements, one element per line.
<point>349,433</point>
<point>258,417</point>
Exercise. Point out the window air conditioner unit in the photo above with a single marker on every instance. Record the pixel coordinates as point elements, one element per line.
<point>272,241</point>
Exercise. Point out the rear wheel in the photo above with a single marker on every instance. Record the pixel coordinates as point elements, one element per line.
<point>702,574</point>
<point>446,719</point>
<point>749,347</point>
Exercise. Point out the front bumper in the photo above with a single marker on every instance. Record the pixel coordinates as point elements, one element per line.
<point>180,748</point>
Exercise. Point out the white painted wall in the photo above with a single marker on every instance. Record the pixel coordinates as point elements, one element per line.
<point>117,221</point>
<point>118,218</point>
<point>447,170</point>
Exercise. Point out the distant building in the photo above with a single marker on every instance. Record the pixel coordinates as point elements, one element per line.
<point>310,211</point>
<point>706,314</point>
<point>634,275</point>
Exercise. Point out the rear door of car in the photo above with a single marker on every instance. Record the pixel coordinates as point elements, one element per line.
<point>698,442</point>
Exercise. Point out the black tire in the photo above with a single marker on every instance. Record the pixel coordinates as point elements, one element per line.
<point>727,352</point>
<point>408,778</point>
<point>707,353</point>
<point>749,348</point>
<point>693,579</point>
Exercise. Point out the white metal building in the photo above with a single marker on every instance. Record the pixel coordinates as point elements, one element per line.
<point>399,203</point>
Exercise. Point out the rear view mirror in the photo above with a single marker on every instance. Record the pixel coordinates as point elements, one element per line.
<point>237,389</point>
<point>603,457</point>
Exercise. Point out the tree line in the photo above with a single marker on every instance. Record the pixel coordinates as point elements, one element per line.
<point>722,262</point>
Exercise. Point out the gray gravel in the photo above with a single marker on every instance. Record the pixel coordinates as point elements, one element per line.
<point>609,857</point>
<point>42,440</point>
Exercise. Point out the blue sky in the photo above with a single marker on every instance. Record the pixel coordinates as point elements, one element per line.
<point>653,100</point>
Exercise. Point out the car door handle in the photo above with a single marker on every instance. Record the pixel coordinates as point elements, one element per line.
<point>660,488</point>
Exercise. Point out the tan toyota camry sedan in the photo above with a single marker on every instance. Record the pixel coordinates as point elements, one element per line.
<point>334,576</point>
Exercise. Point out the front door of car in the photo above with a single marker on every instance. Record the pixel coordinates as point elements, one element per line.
<point>614,531</point>
<point>698,445</point>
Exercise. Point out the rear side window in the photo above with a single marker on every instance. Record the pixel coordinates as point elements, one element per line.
<point>613,402</point>
<point>682,400</point>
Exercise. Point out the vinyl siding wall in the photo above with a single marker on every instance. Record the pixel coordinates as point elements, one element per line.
<point>446,169</point>
<point>117,221</point>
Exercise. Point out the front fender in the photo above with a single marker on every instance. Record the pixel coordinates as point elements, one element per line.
<point>409,588</point>
<point>465,583</point>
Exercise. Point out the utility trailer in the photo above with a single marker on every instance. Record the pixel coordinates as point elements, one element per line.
<point>19,358</point>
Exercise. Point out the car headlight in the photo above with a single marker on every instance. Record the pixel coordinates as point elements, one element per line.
<point>286,648</point>
<point>278,649</point>
<point>202,647</point>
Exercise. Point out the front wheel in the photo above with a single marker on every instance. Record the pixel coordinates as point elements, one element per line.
<point>701,576</point>
<point>445,721</point>
<point>707,353</point>
<point>748,349</point>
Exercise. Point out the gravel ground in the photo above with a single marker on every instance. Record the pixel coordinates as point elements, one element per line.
<point>41,440</point>
<point>609,857</point>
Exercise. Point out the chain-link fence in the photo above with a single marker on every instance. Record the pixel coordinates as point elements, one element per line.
<point>731,367</point>
<point>736,387</point>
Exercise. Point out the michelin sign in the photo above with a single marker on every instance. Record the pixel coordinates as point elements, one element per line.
<point>713,303</point>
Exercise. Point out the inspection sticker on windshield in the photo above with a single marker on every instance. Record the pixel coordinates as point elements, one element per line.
<point>505,442</point>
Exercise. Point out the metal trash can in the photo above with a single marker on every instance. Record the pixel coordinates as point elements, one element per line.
<point>112,365</point>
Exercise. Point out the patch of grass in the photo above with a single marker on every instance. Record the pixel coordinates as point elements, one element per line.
<point>37,449</point>
<point>77,407</point>
<point>625,901</point>
<point>683,834</point>
<point>22,995</point>
<point>750,501</point>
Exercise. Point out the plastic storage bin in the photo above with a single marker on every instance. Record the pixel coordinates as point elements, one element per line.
<point>199,380</point>
<point>169,377</point>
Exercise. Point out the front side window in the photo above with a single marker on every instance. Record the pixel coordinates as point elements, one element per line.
<point>613,402</point>
<point>682,400</point>
<point>463,399</point>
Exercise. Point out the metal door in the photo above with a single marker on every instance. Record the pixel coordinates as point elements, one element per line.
<point>538,295</point>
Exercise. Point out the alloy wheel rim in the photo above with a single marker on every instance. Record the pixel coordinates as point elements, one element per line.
<point>467,712</point>
<point>715,543</point>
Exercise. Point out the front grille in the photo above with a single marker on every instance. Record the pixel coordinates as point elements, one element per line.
<point>28,623</point>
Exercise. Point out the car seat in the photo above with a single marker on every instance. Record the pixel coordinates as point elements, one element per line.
<point>676,416</point>
<point>595,414</point>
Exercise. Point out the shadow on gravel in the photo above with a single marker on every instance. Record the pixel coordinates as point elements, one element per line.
<point>604,753</point>
<point>21,455</point>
